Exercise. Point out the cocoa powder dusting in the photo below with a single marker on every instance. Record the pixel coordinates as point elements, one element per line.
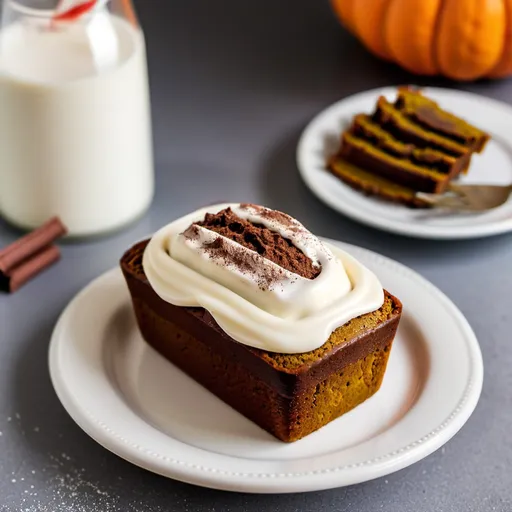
<point>280,217</point>
<point>192,232</point>
<point>267,243</point>
<point>245,262</point>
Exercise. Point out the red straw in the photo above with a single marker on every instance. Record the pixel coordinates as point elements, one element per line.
<point>85,7</point>
<point>75,12</point>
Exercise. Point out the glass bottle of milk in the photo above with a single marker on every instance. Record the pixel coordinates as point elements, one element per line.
<point>75,130</point>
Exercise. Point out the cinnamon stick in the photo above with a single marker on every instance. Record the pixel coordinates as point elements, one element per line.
<point>31,267</point>
<point>31,244</point>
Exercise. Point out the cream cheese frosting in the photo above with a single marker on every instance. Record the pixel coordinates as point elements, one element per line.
<point>254,300</point>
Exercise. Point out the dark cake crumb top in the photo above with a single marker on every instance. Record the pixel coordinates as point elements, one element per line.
<point>258,238</point>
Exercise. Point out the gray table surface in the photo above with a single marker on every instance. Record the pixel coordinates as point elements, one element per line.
<point>233,84</point>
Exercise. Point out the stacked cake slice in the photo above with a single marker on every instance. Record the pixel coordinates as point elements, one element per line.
<point>408,146</point>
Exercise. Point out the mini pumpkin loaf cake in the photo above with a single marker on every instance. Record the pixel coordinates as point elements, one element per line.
<point>405,147</point>
<point>288,330</point>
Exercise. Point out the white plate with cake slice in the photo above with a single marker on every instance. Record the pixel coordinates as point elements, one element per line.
<point>139,406</point>
<point>321,139</point>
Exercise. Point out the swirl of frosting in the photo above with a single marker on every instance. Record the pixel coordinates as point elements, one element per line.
<point>253,299</point>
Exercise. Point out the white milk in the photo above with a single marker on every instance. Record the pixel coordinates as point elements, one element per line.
<point>74,141</point>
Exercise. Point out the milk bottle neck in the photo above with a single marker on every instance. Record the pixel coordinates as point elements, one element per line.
<point>76,40</point>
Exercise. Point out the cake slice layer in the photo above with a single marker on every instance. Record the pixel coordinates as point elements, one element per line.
<point>427,113</point>
<point>400,126</point>
<point>363,127</point>
<point>362,154</point>
<point>373,185</point>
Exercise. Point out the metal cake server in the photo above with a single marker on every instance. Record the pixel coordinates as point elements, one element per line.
<point>469,198</point>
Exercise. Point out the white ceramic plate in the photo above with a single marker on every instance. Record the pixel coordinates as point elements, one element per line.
<point>139,406</point>
<point>494,166</point>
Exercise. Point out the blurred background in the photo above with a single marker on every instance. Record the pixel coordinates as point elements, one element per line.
<point>234,84</point>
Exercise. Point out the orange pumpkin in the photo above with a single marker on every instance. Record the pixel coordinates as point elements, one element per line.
<point>460,39</point>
